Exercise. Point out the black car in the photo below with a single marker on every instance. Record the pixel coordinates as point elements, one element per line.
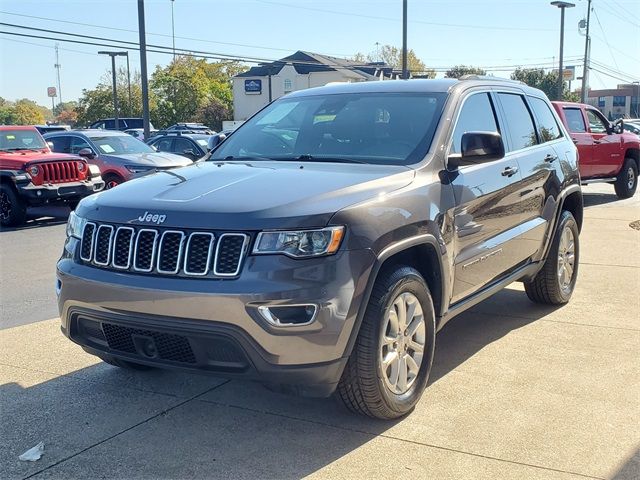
<point>123,124</point>
<point>190,145</point>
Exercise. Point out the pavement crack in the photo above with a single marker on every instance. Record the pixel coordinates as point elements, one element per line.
<point>404,440</point>
<point>104,440</point>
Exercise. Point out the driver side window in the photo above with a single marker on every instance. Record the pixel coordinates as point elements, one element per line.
<point>477,115</point>
<point>78,144</point>
<point>596,124</point>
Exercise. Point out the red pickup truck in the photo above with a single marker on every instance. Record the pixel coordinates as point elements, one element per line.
<point>30,174</point>
<point>607,153</point>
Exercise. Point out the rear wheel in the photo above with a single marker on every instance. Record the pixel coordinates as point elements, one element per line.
<point>13,211</point>
<point>627,181</point>
<point>391,360</point>
<point>111,180</point>
<point>554,283</point>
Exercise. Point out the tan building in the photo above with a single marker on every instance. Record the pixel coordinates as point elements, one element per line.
<point>256,87</point>
<point>621,102</point>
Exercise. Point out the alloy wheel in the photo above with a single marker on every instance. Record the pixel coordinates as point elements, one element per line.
<point>566,259</point>
<point>631,178</point>
<point>402,343</point>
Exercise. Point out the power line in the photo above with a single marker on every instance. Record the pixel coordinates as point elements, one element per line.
<point>612,12</point>
<point>626,10</point>
<point>610,75</point>
<point>422,22</point>
<point>605,37</point>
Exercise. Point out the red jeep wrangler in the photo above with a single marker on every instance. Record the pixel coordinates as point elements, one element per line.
<point>606,152</point>
<point>30,174</point>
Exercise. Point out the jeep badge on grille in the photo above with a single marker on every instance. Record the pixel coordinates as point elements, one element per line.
<point>152,217</point>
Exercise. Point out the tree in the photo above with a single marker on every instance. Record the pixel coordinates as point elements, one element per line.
<point>7,112</point>
<point>392,56</point>
<point>545,81</point>
<point>460,70</point>
<point>213,114</point>
<point>28,112</point>
<point>187,85</point>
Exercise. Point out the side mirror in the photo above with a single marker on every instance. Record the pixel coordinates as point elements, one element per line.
<point>477,148</point>
<point>87,153</point>
<point>618,126</point>
<point>215,141</point>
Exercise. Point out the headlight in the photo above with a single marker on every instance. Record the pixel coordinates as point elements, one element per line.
<point>302,243</point>
<point>75,225</point>
<point>81,166</point>
<point>138,168</point>
<point>34,171</point>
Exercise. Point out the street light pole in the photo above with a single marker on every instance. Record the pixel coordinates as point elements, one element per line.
<point>562,6</point>
<point>143,69</point>
<point>130,111</point>
<point>405,69</point>
<point>173,32</point>
<point>113,56</point>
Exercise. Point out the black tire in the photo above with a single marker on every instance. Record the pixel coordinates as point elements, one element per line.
<point>362,387</point>
<point>13,211</point>
<point>111,180</point>
<point>546,286</point>
<point>627,180</point>
<point>116,362</point>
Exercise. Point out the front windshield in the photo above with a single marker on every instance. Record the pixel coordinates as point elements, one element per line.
<point>386,128</point>
<point>120,144</point>
<point>13,140</point>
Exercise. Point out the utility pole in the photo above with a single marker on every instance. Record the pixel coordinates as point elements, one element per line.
<point>130,110</point>
<point>405,69</point>
<point>143,69</point>
<point>113,56</point>
<point>173,32</point>
<point>585,68</point>
<point>57,65</point>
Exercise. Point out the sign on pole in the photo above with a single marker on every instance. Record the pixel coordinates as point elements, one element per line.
<point>569,73</point>
<point>51,92</point>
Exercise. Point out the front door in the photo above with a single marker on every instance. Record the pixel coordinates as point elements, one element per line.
<point>577,126</point>
<point>487,213</point>
<point>606,155</point>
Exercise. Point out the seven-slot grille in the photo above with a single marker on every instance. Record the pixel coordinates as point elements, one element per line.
<point>163,251</point>
<point>60,172</point>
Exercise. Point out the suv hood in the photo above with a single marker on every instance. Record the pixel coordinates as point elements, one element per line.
<point>150,159</point>
<point>245,196</point>
<point>18,159</point>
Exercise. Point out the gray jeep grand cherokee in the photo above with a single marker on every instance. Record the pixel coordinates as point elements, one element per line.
<point>323,244</point>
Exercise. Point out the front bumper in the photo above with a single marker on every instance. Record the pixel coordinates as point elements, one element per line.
<point>212,316</point>
<point>35,194</point>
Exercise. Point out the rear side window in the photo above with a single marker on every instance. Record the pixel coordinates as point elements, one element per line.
<point>180,145</point>
<point>547,125</point>
<point>477,115</point>
<point>60,144</point>
<point>518,121</point>
<point>575,120</point>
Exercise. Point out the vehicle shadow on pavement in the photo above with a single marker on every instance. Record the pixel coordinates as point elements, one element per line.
<point>42,217</point>
<point>595,199</point>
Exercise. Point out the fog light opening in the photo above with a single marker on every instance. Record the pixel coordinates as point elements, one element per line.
<point>289,315</point>
<point>58,286</point>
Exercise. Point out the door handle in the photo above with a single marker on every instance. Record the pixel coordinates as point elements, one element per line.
<point>550,158</point>
<point>597,142</point>
<point>509,171</point>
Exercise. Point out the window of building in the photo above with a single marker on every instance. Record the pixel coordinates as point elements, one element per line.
<point>288,87</point>
<point>547,124</point>
<point>619,101</point>
<point>519,121</point>
<point>600,102</point>
<point>575,120</point>
<point>476,116</point>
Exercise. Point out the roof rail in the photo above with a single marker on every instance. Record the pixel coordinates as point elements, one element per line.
<point>489,77</point>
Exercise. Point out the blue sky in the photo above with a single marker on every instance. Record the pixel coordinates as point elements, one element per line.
<point>497,34</point>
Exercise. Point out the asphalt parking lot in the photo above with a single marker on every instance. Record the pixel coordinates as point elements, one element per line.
<point>517,390</point>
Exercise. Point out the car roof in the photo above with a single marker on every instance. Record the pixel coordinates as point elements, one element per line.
<point>194,136</point>
<point>441,85</point>
<point>18,127</point>
<point>91,132</point>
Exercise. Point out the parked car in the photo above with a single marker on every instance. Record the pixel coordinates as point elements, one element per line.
<point>31,175</point>
<point>187,128</point>
<point>52,128</point>
<point>607,153</point>
<point>139,133</point>
<point>631,127</point>
<point>324,243</point>
<point>190,145</point>
<point>119,156</point>
<point>123,124</point>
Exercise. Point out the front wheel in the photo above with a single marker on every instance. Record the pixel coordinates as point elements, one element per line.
<point>391,360</point>
<point>111,181</point>
<point>555,282</point>
<point>13,211</point>
<point>627,181</point>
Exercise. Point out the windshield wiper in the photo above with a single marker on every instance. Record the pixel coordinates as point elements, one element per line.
<point>230,158</point>
<point>310,158</point>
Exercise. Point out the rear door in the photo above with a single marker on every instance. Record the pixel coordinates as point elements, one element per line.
<point>606,153</point>
<point>576,123</point>
<point>486,215</point>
